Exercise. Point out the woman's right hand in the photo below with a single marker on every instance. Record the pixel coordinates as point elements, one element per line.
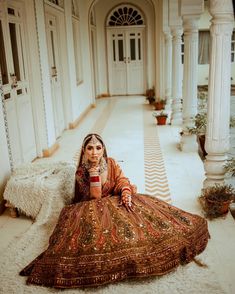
<point>95,168</point>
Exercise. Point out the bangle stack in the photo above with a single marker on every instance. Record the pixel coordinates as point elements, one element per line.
<point>95,179</point>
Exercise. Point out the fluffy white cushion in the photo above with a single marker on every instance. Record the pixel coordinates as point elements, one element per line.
<point>34,186</point>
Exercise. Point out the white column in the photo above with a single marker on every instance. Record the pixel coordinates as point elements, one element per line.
<point>190,25</point>
<point>45,73</point>
<point>218,112</point>
<point>176,76</point>
<point>168,69</point>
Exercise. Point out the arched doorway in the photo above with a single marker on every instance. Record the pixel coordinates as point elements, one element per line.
<point>125,26</point>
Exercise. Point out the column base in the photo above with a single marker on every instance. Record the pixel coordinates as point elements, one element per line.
<point>188,143</point>
<point>214,167</point>
<point>211,182</point>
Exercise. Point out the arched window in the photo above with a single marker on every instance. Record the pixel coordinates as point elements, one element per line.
<point>125,15</point>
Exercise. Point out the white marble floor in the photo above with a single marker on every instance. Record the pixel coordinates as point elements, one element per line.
<point>120,121</point>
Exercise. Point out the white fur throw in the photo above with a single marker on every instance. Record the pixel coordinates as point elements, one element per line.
<point>34,186</point>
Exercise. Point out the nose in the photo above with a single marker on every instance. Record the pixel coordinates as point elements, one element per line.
<point>94,151</point>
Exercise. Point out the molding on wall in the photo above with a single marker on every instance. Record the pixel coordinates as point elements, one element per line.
<point>77,121</point>
<point>103,95</point>
<point>2,206</point>
<point>51,150</point>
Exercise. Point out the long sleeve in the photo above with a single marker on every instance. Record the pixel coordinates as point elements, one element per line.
<point>82,186</point>
<point>87,185</point>
<point>122,183</point>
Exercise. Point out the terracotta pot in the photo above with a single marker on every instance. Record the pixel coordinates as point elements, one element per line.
<point>161,120</point>
<point>218,207</point>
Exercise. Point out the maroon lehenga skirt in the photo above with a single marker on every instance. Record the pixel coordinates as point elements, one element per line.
<point>97,242</point>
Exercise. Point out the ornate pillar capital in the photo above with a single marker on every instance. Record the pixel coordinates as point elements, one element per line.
<point>190,23</point>
<point>168,36</point>
<point>176,32</point>
<point>220,8</point>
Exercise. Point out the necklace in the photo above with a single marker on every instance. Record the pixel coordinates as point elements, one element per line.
<point>102,165</point>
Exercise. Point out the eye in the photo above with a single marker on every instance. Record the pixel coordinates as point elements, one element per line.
<point>98,147</point>
<point>89,147</point>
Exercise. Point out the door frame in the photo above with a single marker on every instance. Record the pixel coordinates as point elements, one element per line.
<point>61,40</point>
<point>25,58</point>
<point>109,54</point>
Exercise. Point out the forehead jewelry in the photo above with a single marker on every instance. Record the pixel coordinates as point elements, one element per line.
<point>93,140</point>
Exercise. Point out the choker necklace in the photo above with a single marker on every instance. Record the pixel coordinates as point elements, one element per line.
<point>102,165</point>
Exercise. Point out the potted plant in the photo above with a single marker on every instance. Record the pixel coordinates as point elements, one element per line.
<point>151,100</point>
<point>159,104</point>
<point>230,166</point>
<point>200,130</point>
<point>150,95</point>
<point>215,200</point>
<point>230,171</point>
<point>202,100</point>
<point>200,125</point>
<point>161,117</point>
<point>232,122</point>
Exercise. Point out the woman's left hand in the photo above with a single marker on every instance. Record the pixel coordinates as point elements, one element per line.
<point>126,201</point>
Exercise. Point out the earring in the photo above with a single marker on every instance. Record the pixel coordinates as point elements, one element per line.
<point>84,159</point>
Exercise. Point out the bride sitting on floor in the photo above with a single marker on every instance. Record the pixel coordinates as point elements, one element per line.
<point>110,232</point>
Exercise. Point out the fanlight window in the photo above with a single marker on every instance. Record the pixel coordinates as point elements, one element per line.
<point>125,16</point>
<point>60,3</point>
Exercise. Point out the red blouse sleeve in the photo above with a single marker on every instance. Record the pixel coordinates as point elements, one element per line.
<point>82,186</point>
<point>122,183</point>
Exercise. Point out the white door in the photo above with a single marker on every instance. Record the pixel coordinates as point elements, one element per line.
<point>126,61</point>
<point>55,72</point>
<point>14,67</point>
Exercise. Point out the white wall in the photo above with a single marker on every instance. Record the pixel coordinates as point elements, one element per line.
<point>45,73</point>
<point>80,95</point>
<point>203,69</point>
<point>102,8</point>
<point>83,95</point>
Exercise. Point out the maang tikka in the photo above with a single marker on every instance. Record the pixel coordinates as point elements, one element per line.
<point>93,140</point>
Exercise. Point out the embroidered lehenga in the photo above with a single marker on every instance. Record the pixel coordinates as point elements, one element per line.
<point>98,241</point>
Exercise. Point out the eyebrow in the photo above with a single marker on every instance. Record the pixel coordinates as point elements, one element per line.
<point>92,145</point>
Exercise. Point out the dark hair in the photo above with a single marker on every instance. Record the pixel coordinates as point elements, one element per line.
<point>86,141</point>
<point>88,138</point>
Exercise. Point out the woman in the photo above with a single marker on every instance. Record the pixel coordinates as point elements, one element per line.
<point>111,233</point>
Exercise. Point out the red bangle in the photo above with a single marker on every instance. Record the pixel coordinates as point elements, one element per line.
<point>126,189</point>
<point>95,179</point>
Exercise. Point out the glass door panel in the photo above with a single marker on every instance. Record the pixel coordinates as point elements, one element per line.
<point>3,62</point>
<point>14,50</point>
